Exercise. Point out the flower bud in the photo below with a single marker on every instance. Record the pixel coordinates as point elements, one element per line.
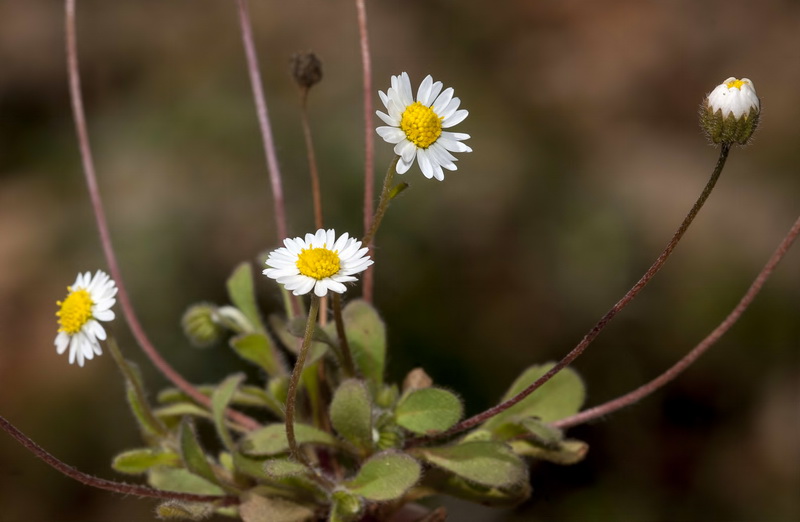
<point>200,326</point>
<point>306,69</point>
<point>730,112</point>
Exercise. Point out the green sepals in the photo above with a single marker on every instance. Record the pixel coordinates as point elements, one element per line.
<point>560,397</point>
<point>385,476</point>
<point>567,452</point>
<point>219,403</point>
<point>387,396</point>
<point>487,463</point>
<point>366,334</point>
<point>346,507</point>
<point>258,508</point>
<point>181,481</point>
<point>428,410</point>
<point>183,510</point>
<point>200,325</point>
<point>241,291</point>
<point>259,349</point>
<point>271,439</point>
<point>137,461</point>
<point>194,458</point>
<point>282,468</point>
<point>351,413</point>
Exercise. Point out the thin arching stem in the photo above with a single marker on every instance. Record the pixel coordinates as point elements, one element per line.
<point>263,118</point>
<point>344,345</point>
<point>105,236</point>
<point>601,324</point>
<point>294,382</point>
<point>108,485</point>
<point>383,205</point>
<point>657,383</point>
<point>316,191</point>
<point>369,138</point>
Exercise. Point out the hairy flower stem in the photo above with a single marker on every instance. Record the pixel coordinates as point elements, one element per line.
<point>105,236</point>
<point>601,324</point>
<point>344,346</point>
<point>369,137</point>
<point>109,485</point>
<point>294,381</point>
<point>383,205</point>
<point>657,383</point>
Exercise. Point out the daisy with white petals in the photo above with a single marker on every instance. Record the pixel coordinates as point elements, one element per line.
<point>415,127</point>
<point>89,300</point>
<point>318,262</point>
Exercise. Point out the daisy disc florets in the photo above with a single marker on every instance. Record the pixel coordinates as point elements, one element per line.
<point>89,300</point>
<point>415,127</point>
<point>318,262</point>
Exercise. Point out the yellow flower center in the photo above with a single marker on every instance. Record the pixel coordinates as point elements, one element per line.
<point>318,263</point>
<point>421,125</point>
<point>75,312</point>
<point>735,84</point>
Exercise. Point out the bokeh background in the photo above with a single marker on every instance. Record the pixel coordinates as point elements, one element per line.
<point>586,156</point>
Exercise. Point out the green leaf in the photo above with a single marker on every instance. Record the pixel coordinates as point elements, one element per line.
<point>346,507</point>
<point>134,462</point>
<point>242,294</point>
<point>184,510</point>
<point>568,452</point>
<point>151,427</point>
<point>219,403</point>
<point>271,439</point>
<point>182,409</point>
<point>428,410</point>
<point>194,458</point>
<point>366,335</point>
<point>560,397</point>
<point>385,476</point>
<point>280,468</point>
<point>489,463</point>
<point>259,349</point>
<point>351,413</point>
<point>182,481</point>
<point>455,486</point>
<point>258,508</point>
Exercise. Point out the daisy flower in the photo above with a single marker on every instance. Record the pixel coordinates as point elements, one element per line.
<point>89,300</point>
<point>731,111</point>
<point>415,127</point>
<point>319,261</point>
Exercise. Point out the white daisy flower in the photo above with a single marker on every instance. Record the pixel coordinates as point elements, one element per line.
<point>731,111</point>
<point>415,127</point>
<point>89,300</point>
<point>319,262</point>
<point>734,96</point>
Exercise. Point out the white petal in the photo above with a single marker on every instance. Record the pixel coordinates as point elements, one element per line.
<point>424,90</point>
<point>403,166</point>
<point>455,119</point>
<point>391,134</point>
<point>425,163</point>
<point>441,102</point>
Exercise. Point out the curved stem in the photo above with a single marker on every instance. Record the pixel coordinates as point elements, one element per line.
<point>263,118</point>
<point>105,236</point>
<point>294,381</point>
<point>369,138</point>
<point>383,205</point>
<point>109,485</point>
<point>645,390</point>
<point>595,331</point>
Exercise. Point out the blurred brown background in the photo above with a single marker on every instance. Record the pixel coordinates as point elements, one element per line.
<point>587,156</point>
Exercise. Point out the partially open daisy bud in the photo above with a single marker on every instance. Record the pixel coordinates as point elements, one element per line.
<point>730,112</point>
<point>200,325</point>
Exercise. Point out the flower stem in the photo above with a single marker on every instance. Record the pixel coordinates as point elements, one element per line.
<point>657,383</point>
<point>601,324</point>
<point>316,192</point>
<point>383,204</point>
<point>344,346</point>
<point>369,139</point>
<point>295,380</point>
<point>105,236</point>
<point>109,485</point>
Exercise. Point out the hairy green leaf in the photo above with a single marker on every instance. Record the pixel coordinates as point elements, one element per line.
<point>366,335</point>
<point>138,461</point>
<point>219,403</point>
<point>488,463</point>
<point>569,451</point>
<point>259,349</point>
<point>242,294</point>
<point>181,480</point>
<point>385,476</point>
<point>351,413</point>
<point>184,510</point>
<point>271,439</point>
<point>428,410</point>
<point>194,458</point>
<point>280,468</point>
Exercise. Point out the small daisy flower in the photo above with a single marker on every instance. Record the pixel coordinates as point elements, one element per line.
<point>415,127</point>
<point>89,300</point>
<point>319,261</point>
<point>730,112</point>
